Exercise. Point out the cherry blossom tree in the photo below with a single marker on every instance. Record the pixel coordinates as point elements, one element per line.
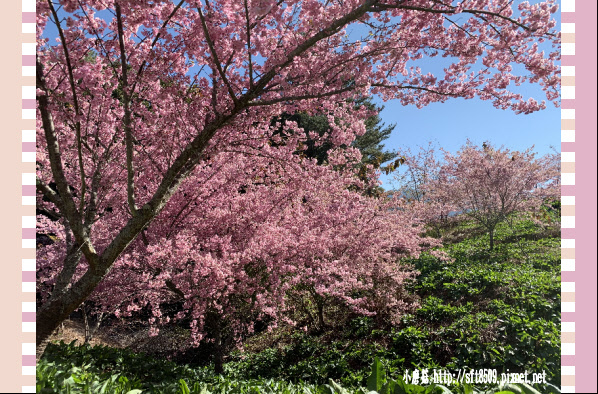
<point>489,184</point>
<point>141,103</point>
<point>236,253</point>
<point>415,182</point>
<point>416,171</point>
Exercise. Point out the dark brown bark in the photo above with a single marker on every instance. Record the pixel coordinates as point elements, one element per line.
<point>321,316</point>
<point>40,349</point>
<point>87,331</point>
<point>62,304</point>
<point>320,311</point>
<point>218,352</point>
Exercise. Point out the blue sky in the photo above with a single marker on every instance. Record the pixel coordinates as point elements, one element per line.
<point>452,123</point>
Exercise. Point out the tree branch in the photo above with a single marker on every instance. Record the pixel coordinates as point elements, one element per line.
<point>381,85</point>
<point>300,97</point>
<point>127,117</point>
<point>70,210</point>
<point>451,10</point>
<point>49,193</point>
<point>75,103</point>
<point>332,29</point>
<point>215,57</point>
<point>73,216</point>
<point>250,61</point>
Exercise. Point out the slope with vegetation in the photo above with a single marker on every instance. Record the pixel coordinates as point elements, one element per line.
<point>482,309</point>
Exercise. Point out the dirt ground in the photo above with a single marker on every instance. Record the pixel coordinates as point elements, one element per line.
<point>136,338</point>
<point>73,330</point>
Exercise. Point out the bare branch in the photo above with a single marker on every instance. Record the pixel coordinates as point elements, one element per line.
<point>75,103</point>
<point>49,193</point>
<point>450,10</point>
<point>127,117</point>
<point>215,57</point>
<point>250,61</point>
<point>415,88</point>
<point>299,97</point>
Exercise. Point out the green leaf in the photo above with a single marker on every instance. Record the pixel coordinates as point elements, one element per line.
<point>443,389</point>
<point>400,387</point>
<point>104,386</point>
<point>325,389</point>
<point>552,389</point>
<point>527,389</point>
<point>388,387</point>
<point>338,389</point>
<point>512,387</point>
<point>183,387</point>
<point>376,379</point>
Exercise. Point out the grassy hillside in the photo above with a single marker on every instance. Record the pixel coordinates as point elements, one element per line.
<point>484,310</point>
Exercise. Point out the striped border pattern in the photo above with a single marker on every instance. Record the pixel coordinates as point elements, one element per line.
<point>568,198</point>
<point>567,177</point>
<point>28,114</point>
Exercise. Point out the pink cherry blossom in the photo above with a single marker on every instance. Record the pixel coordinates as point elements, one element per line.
<point>163,175</point>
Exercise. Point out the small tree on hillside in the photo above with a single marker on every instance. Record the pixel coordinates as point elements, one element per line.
<point>418,170</point>
<point>414,181</point>
<point>489,184</point>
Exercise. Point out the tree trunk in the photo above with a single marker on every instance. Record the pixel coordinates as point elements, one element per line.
<point>89,331</point>
<point>320,305</point>
<point>85,324</point>
<point>48,320</point>
<point>218,352</point>
<point>96,327</point>
<point>491,232</point>
<point>40,349</point>
<point>62,304</point>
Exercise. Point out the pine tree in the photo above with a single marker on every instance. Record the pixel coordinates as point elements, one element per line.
<point>370,144</point>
